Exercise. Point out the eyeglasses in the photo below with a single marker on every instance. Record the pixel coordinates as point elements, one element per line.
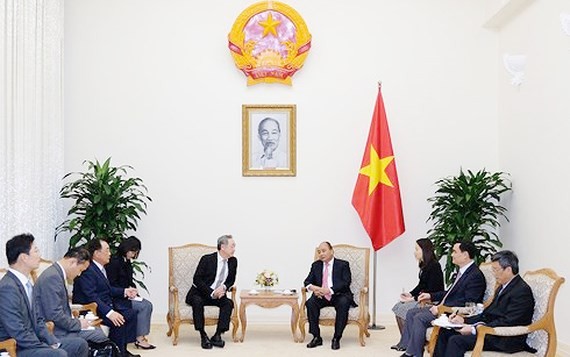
<point>496,270</point>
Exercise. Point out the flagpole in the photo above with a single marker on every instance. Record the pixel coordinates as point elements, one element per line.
<point>374,326</point>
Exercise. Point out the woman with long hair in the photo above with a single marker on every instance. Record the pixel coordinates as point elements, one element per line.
<point>430,280</point>
<point>120,274</point>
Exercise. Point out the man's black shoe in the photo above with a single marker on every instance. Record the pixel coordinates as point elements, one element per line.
<point>335,343</point>
<point>217,341</point>
<point>398,347</point>
<point>316,341</point>
<point>206,343</point>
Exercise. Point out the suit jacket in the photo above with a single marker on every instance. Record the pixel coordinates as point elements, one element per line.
<point>92,286</point>
<point>431,280</point>
<point>513,307</point>
<point>18,320</point>
<point>51,297</point>
<point>341,277</point>
<point>470,288</point>
<point>120,272</point>
<point>206,273</point>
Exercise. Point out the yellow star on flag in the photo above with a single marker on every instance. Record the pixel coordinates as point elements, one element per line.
<point>376,170</point>
<point>269,25</point>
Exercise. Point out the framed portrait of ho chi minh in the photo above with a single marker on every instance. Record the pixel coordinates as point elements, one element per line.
<point>268,140</point>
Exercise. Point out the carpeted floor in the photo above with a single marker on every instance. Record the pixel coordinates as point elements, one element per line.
<point>271,340</point>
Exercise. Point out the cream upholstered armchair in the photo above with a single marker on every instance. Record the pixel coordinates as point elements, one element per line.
<point>182,263</point>
<point>358,259</point>
<point>542,331</point>
<point>486,268</point>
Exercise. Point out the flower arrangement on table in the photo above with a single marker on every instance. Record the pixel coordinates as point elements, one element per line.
<point>267,279</point>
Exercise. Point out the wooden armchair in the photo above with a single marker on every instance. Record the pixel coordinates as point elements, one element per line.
<point>433,332</point>
<point>358,259</point>
<point>541,332</point>
<point>182,263</point>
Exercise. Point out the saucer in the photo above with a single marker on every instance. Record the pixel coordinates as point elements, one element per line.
<point>253,292</point>
<point>287,292</point>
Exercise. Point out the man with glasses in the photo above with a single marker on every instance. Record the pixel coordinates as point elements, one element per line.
<point>469,286</point>
<point>215,274</point>
<point>512,305</point>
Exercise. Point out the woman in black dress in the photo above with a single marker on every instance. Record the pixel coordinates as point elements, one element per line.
<point>120,274</point>
<point>431,280</point>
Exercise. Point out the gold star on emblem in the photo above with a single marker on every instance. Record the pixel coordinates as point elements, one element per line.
<point>376,170</point>
<point>269,25</point>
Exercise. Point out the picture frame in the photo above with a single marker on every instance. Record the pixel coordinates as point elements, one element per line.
<point>269,140</point>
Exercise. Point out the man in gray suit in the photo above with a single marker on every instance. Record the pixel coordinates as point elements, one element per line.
<point>51,296</point>
<point>18,315</point>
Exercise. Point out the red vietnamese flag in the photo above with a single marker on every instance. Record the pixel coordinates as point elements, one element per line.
<point>376,195</point>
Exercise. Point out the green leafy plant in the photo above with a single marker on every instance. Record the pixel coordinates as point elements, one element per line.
<point>467,207</point>
<point>107,205</point>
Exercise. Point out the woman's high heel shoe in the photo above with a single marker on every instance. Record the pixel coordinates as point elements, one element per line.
<point>142,347</point>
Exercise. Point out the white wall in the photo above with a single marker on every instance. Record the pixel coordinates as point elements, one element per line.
<point>152,84</point>
<point>534,123</point>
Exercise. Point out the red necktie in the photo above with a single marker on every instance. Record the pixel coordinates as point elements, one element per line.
<point>326,280</point>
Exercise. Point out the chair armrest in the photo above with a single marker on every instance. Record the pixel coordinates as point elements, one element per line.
<point>76,309</point>
<point>443,309</point>
<point>363,302</point>
<point>233,291</point>
<point>483,330</point>
<point>173,301</point>
<point>9,345</point>
<point>303,303</point>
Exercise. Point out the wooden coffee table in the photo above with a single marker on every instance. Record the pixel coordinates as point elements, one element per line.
<point>269,300</point>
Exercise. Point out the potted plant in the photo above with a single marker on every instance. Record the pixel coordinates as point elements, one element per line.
<point>467,207</point>
<point>107,205</point>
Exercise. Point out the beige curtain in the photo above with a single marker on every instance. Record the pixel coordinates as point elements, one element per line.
<point>31,120</point>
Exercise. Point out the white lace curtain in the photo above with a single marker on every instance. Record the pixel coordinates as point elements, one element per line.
<point>31,120</point>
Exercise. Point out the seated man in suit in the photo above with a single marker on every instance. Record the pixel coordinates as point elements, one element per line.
<point>19,318</point>
<point>214,275</point>
<point>329,280</point>
<point>513,305</point>
<point>52,298</point>
<point>112,307</point>
<point>469,286</point>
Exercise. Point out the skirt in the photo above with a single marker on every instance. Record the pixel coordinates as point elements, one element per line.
<point>402,308</point>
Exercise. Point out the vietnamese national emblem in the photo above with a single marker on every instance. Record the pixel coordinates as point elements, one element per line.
<point>269,42</point>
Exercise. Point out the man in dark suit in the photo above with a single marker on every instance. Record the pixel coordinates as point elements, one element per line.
<point>329,280</point>
<point>93,286</point>
<point>469,286</point>
<point>52,298</point>
<point>513,305</point>
<point>18,315</point>
<point>214,275</point>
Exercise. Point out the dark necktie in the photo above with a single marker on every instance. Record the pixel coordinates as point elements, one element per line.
<point>451,288</point>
